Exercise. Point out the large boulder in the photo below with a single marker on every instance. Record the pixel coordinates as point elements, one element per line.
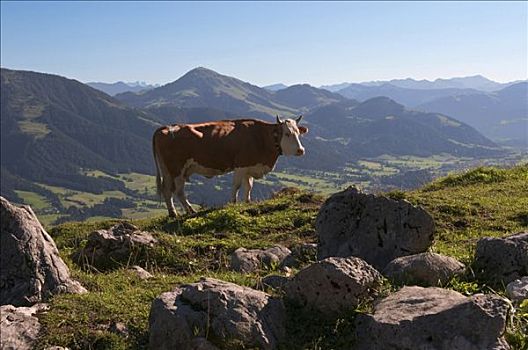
<point>226,314</point>
<point>123,243</point>
<point>502,260</point>
<point>434,318</point>
<point>426,269</point>
<point>19,327</point>
<point>31,270</point>
<point>333,285</point>
<point>250,260</point>
<point>375,228</point>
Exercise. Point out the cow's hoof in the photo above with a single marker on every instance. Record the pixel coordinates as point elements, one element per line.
<point>173,215</point>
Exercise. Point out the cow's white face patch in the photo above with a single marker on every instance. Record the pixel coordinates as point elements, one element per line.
<point>290,143</point>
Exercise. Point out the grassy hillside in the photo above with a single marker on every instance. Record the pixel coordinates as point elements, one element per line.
<point>481,202</point>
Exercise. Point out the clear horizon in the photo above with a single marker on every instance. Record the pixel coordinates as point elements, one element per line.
<point>266,43</point>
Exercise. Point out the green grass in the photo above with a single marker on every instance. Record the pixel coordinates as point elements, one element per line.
<point>35,200</point>
<point>467,206</point>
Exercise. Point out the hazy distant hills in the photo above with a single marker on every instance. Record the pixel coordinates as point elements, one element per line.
<point>409,97</point>
<point>52,127</point>
<point>477,82</point>
<point>119,87</point>
<point>501,114</point>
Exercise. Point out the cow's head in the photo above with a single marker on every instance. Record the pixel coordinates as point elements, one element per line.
<point>290,143</point>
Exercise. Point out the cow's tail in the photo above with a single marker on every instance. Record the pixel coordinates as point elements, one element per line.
<point>156,162</point>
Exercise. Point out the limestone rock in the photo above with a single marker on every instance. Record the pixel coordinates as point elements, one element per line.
<point>250,260</point>
<point>502,260</point>
<point>426,269</point>
<point>301,254</point>
<point>31,270</point>
<point>333,285</point>
<point>226,314</point>
<point>140,272</point>
<point>108,248</point>
<point>375,228</point>
<point>517,290</point>
<point>274,281</point>
<point>433,318</point>
<point>19,327</point>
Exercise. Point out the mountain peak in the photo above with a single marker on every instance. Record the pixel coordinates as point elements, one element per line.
<point>380,107</point>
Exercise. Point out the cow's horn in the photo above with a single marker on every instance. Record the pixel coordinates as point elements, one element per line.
<point>278,120</point>
<point>298,120</point>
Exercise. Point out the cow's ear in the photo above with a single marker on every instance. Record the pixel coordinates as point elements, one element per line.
<point>303,129</point>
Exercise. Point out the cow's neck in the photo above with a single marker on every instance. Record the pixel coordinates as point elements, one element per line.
<point>277,137</point>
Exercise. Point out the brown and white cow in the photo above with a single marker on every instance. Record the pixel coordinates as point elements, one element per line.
<point>248,147</point>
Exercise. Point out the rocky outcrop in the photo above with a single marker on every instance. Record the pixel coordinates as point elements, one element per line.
<point>19,326</point>
<point>31,270</point>
<point>226,314</point>
<point>250,260</point>
<point>502,260</point>
<point>375,228</point>
<point>517,290</point>
<point>123,243</point>
<point>426,269</point>
<point>433,318</point>
<point>333,285</point>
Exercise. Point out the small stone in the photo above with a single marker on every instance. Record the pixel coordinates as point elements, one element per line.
<point>517,290</point>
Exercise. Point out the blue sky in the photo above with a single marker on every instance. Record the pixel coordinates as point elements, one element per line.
<point>267,42</point>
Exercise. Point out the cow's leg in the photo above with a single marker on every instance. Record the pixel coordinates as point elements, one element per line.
<point>238,176</point>
<point>179,184</point>
<point>248,185</point>
<point>167,195</point>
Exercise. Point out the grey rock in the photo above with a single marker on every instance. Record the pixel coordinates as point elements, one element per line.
<point>250,260</point>
<point>433,319</point>
<point>426,269</point>
<point>19,326</point>
<point>375,228</point>
<point>31,270</point>
<point>274,281</point>
<point>140,272</point>
<point>108,248</point>
<point>119,328</point>
<point>300,255</point>
<point>333,285</point>
<point>502,260</point>
<point>224,313</point>
<point>517,290</point>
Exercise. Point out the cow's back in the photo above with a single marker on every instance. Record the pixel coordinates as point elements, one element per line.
<point>222,145</point>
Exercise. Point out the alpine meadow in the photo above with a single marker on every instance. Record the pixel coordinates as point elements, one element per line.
<point>264,175</point>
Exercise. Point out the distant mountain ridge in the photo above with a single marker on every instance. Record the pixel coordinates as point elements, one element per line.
<point>476,82</point>
<point>502,114</point>
<point>119,87</point>
<point>406,96</point>
<point>275,87</point>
